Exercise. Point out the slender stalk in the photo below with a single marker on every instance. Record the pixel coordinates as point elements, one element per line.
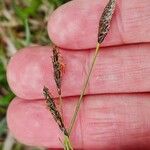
<point>83,90</point>
<point>67,143</point>
<point>27,32</point>
<point>9,142</point>
<point>104,26</point>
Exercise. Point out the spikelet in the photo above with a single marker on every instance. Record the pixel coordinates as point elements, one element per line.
<point>105,20</point>
<point>58,67</point>
<point>53,109</point>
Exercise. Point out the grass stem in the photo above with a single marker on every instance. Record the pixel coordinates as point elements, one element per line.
<point>83,90</point>
<point>67,143</point>
<point>27,32</point>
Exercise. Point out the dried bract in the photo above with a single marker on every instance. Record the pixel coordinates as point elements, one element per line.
<point>53,109</point>
<point>105,20</point>
<point>58,68</point>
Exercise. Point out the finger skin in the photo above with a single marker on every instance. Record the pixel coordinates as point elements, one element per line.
<point>117,70</point>
<point>75,24</point>
<point>106,122</point>
<point>31,69</point>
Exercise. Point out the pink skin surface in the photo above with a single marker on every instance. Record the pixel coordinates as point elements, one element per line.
<point>117,70</point>
<point>109,119</point>
<point>105,122</point>
<point>75,24</point>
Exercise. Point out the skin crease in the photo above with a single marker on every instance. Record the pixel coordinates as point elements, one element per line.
<point>106,121</point>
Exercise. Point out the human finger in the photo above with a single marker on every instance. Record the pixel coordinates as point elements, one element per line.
<point>119,121</point>
<point>75,24</point>
<point>117,70</point>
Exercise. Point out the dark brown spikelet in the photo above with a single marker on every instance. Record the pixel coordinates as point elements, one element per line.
<point>58,68</point>
<point>105,20</point>
<point>53,109</point>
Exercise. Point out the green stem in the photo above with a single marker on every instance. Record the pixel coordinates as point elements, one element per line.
<point>67,143</point>
<point>83,90</point>
<point>27,32</point>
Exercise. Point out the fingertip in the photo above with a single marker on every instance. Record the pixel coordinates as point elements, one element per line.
<point>65,26</point>
<point>75,24</point>
<point>56,26</point>
<point>31,69</point>
<point>13,67</point>
<point>96,127</point>
<point>31,124</point>
<point>27,73</point>
<point>12,122</point>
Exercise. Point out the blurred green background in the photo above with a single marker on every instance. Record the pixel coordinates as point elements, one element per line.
<point>22,23</point>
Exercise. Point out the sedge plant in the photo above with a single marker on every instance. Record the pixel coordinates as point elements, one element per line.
<point>104,26</point>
